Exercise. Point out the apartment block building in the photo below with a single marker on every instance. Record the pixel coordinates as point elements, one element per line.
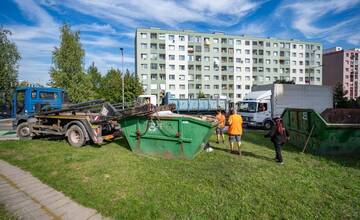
<point>186,63</point>
<point>342,66</point>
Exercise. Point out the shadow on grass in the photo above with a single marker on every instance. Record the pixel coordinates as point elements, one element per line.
<point>343,160</point>
<point>244,153</point>
<point>122,143</point>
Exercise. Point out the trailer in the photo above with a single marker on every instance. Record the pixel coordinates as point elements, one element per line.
<point>267,101</point>
<point>93,121</point>
<point>197,106</point>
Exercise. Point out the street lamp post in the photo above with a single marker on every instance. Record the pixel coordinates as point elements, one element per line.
<point>123,77</point>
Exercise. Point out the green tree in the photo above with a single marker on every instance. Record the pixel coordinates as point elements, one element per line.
<point>9,57</point>
<point>340,101</point>
<point>132,87</point>
<point>67,70</point>
<point>95,78</point>
<point>283,81</point>
<point>110,86</point>
<point>201,95</point>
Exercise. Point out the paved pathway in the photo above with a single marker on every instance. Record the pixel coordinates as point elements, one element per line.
<point>28,198</point>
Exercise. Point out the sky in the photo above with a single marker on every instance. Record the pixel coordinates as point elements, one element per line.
<point>107,25</point>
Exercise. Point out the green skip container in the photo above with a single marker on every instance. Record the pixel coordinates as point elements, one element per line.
<point>334,131</point>
<point>167,135</point>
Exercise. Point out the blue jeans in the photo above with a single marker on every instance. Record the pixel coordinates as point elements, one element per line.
<point>233,138</point>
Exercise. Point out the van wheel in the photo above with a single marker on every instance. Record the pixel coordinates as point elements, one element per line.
<point>23,131</point>
<point>268,125</point>
<point>75,136</point>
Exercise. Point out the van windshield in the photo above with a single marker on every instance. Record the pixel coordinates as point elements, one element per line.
<point>247,107</point>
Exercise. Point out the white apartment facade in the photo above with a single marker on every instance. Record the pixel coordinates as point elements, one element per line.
<point>186,63</point>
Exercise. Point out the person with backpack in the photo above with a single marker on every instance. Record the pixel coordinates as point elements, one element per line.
<point>278,135</point>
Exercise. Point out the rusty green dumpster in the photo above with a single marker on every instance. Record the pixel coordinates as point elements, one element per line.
<point>167,134</point>
<point>331,132</point>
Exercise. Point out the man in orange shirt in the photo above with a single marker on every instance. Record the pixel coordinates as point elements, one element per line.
<point>235,130</point>
<point>220,128</point>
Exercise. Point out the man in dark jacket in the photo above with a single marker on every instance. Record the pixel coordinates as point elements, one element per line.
<point>278,135</point>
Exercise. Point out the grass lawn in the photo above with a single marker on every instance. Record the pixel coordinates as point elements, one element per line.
<point>5,215</point>
<point>215,185</point>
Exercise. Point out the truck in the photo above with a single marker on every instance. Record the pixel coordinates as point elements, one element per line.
<point>265,102</point>
<point>197,106</point>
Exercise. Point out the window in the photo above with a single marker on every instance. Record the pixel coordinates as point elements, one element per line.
<point>238,51</point>
<point>301,46</point>
<point>154,66</point>
<point>144,76</point>
<point>216,86</point>
<point>171,57</point>
<point>268,61</point>
<point>182,77</point>
<point>191,77</point>
<point>262,107</point>
<point>294,46</point>
<point>238,69</point>
<point>191,58</point>
<point>207,77</point>
<point>181,38</point>
<point>197,48</point>
<point>144,66</point>
<point>293,70</point>
<point>238,86</point>
<point>172,67</point>
<point>275,45</point>
<point>153,46</point>
<point>247,60</point>
<point>190,67</point>
<point>172,86</point>
<point>216,77</point>
<point>247,87</point>
<point>153,77</point>
<point>153,56</point>
<point>207,86</point>
<point>171,47</point>
<point>238,78</point>
<point>182,87</point>
<point>247,78</point>
<point>238,42</point>
<point>153,36</point>
<point>247,43</point>
<point>198,58</point>
<point>267,78</point>
<point>162,56</point>
<point>247,69</point>
<point>143,35</point>
<point>171,37</point>
<point>301,79</point>
<point>171,77</point>
<point>275,70</point>
<point>181,57</point>
<point>162,46</point>
<point>143,45</point>
<point>206,58</point>
<point>143,56</point>
<point>153,86</point>
<point>206,68</point>
<point>216,49</point>
<point>247,51</point>
<point>161,36</point>
<point>216,40</point>
<point>182,48</point>
<point>231,41</point>
<point>275,53</point>
<point>275,61</point>
<point>181,67</point>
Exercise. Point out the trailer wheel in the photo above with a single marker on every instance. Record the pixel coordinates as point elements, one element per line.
<point>23,131</point>
<point>268,125</point>
<point>75,136</point>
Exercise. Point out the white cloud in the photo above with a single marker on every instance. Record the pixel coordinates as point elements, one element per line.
<point>253,29</point>
<point>94,27</point>
<point>105,60</point>
<point>168,12</point>
<point>308,14</point>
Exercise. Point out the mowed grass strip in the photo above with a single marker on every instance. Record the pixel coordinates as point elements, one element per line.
<point>216,185</point>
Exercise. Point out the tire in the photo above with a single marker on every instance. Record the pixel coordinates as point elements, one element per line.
<point>76,136</point>
<point>23,131</point>
<point>268,125</point>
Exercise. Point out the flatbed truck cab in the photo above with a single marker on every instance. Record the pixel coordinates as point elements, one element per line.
<point>27,101</point>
